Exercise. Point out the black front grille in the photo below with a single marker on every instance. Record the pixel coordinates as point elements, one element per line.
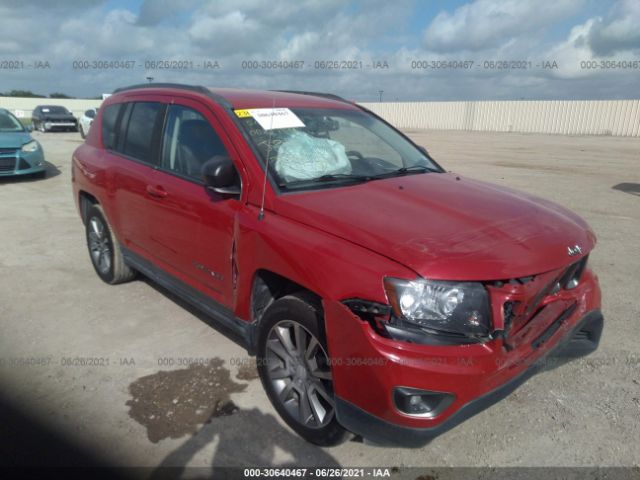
<point>517,314</point>
<point>509,314</point>
<point>8,151</point>
<point>7,164</point>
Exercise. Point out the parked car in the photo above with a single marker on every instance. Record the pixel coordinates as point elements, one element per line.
<point>84,124</point>
<point>20,154</point>
<point>53,117</point>
<point>382,295</point>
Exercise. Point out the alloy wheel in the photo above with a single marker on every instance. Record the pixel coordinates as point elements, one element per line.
<point>99,245</point>
<point>299,371</point>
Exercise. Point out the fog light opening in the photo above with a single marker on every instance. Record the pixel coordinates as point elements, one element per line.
<point>421,403</point>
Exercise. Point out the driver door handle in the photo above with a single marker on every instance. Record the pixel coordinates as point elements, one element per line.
<point>157,191</point>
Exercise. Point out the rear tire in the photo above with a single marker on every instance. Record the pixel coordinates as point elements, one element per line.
<point>295,369</point>
<point>104,249</point>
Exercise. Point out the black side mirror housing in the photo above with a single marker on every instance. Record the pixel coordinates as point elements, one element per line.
<point>220,176</point>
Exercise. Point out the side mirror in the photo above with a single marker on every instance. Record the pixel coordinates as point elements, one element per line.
<point>29,128</point>
<point>220,176</point>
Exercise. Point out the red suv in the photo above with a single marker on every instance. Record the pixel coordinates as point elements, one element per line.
<point>382,295</point>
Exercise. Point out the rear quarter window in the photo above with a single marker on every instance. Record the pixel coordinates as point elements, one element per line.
<point>109,118</point>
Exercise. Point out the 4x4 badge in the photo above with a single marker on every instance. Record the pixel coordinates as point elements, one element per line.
<point>575,250</point>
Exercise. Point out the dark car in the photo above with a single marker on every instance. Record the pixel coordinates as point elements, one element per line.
<point>382,294</point>
<point>53,117</point>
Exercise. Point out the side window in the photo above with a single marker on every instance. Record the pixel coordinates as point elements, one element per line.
<point>90,113</point>
<point>109,118</point>
<point>189,141</point>
<point>142,123</point>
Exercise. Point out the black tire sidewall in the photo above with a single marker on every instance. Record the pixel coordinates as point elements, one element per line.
<point>297,309</point>
<point>96,211</point>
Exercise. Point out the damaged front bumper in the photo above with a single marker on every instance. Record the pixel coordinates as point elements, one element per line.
<point>369,370</point>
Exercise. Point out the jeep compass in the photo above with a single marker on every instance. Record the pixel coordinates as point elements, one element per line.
<point>382,295</point>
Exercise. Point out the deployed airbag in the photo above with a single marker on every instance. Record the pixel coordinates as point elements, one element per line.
<point>302,157</point>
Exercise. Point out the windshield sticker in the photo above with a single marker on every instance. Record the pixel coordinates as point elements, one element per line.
<point>275,118</point>
<point>242,113</point>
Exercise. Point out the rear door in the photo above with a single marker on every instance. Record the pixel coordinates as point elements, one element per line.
<point>192,229</point>
<point>133,149</point>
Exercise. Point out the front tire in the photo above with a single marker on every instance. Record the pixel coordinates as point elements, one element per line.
<point>104,249</point>
<point>295,369</point>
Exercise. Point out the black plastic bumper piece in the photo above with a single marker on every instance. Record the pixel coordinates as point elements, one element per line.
<point>582,340</point>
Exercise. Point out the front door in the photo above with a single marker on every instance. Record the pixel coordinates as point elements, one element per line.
<point>192,229</point>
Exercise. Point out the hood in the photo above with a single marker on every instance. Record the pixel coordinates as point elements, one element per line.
<point>14,139</point>
<point>446,227</point>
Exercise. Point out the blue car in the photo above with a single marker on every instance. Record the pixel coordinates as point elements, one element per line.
<point>20,154</point>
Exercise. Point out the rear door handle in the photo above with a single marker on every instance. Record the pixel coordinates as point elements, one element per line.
<point>156,192</point>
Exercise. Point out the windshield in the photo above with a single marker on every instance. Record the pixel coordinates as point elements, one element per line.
<point>9,123</point>
<point>328,147</point>
<point>55,110</point>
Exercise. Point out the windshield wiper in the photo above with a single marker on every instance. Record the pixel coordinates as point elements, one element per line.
<point>333,177</point>
<point>407,170</point>
<point>349,177</point>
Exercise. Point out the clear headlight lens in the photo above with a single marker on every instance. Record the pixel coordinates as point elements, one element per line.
<point>459,308</point>
<point>31,146</point>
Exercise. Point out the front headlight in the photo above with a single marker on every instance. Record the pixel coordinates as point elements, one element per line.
<point>446,308</point>
<point>31,146</point>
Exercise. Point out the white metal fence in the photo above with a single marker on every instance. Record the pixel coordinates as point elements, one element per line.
<point>565,117</point>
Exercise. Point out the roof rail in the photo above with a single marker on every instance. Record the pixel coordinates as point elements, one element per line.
<point>193,88</point>
<point>330,96</point>
<point>182,86</point>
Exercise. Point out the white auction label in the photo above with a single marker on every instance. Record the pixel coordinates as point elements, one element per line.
<point>274,118</point>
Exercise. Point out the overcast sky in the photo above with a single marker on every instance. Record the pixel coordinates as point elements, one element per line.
<point>41,42</point>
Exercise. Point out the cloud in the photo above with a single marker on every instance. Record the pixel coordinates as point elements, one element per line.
<point>310,30</point>
<point>99,36</point>
<point>574,50</point>
<point>619,32</point>
<point>154,12</point>
<point>233,32</point>
<point>490,23</point>
<point>281,14</point>
<point>48,4</point>
<point>613,38</point>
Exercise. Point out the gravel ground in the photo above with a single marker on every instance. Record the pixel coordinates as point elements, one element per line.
<point>112,368</point>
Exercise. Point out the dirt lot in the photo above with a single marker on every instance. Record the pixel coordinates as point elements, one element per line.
<point>112,367</point>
